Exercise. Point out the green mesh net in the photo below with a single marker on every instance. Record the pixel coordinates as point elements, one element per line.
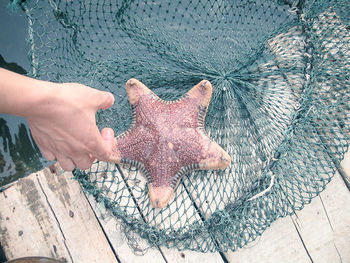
<point>280,72</point>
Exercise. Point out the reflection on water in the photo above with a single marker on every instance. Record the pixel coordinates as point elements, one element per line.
<point>12,66</point>
<point>19,155</point>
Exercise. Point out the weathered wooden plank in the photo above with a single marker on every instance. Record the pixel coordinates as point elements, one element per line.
<point>113,230</point>
<point>28,228</point>
<point>47,215</point>
<point>109,178</point>
<point>83,234</point>
<point>279,243</point>
<point>324,226</point>
<point>187,256</point>
<point>336,203</point>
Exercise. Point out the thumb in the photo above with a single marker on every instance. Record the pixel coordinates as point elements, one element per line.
<point>103,150</point>
<point>106,100</point>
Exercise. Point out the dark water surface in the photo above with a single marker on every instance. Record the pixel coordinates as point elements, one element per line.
<point>19,156</point>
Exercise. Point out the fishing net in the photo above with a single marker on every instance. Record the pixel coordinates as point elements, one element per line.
<point>280,72</point>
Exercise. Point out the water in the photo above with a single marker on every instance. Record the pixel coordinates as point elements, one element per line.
<point>19,155</point>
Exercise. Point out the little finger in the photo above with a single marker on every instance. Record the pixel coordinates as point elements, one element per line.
<point>84,161</point>
<point>66,163</point>
<point>47,154</point>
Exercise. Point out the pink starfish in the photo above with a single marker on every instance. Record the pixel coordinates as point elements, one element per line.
<point>167,139</point>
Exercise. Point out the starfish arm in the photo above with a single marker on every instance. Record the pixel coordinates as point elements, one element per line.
<point>213,157</point>
<point>163,167</point>
<point>201,93</point>
<point>194,104</point>
<point>135,90</point>
<point>199,152</point>
<point>160,195</point>
<point>163,180</point>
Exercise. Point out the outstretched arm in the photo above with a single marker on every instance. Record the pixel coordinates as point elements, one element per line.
<point>61,117</point>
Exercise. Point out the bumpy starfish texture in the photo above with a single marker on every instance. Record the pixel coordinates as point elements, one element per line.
<point>167,139</point>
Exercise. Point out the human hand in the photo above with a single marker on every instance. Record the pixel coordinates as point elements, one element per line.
<point>64,127</point>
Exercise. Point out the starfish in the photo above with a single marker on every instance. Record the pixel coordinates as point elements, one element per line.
<point>167,139</point>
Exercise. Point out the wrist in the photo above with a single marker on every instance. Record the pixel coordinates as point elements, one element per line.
<point>23,96</point>
<point>40,96</point>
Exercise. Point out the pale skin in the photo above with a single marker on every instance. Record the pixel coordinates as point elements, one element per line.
<point>61,117</point>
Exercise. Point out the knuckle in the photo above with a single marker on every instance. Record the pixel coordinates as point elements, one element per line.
<point>67,150</point>
<point>97,150</point>
<point>91,145</point>
<point>104,156</point>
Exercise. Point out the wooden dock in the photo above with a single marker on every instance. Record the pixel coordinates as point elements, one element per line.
<point>46,214</point>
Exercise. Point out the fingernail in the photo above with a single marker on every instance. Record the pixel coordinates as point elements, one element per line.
<point>111,98</point>
<point>107,134</point>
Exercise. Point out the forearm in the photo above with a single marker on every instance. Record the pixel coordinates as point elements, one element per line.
<point>21,95</point>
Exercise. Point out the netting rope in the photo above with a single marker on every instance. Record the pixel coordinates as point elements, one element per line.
<point>280,106</point>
